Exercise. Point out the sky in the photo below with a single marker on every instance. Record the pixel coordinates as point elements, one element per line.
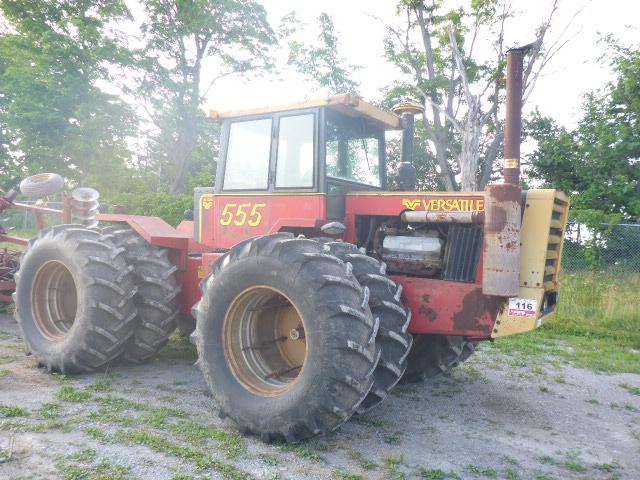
<point>360,28</point>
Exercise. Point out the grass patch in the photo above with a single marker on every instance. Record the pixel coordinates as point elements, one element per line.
<point>485,472</point>
<point>8,358</point>
<point>7,412</point>
<point>119,404</point>
<point>436,474</point>
<point>597,326</point>
<point>86,455</point>
<point>393,467</point>
<point>370,421</point>
<point>68,393</point>
<point>157,416</point>
<point>342,475</point>
<point>101,471</point>
<point>178,348</point>
<point>303,452</point>
<point>232,444</point>
<point>101,386</point>
<point>571,462</point>
<point>50,410</point>
<point>599,304</point>
<point>4,372</point>
<point>361,460</point>
<point>630,388</point>
<point>98,434</point>
<point>201,459</point>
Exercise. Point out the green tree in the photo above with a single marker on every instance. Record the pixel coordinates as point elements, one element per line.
<point>598,161</point>
<point>181,36</point>
<point>319,61</point>
<point>436,52</point>
<point>53,115</point>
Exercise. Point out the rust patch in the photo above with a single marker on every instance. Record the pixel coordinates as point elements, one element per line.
<point>474,305</point>
<point>428,313</point>
<point>504,192</point>
<point>425,311</point>
<point>496,220</point>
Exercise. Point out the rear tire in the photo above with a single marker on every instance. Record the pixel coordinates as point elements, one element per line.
<point>312,378</point>
<point>157,294</point>
<point>74,299</point>
<point>384,301</point>
<point>433,355</point>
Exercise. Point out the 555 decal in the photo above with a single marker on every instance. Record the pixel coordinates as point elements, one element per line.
<point>240,214</point>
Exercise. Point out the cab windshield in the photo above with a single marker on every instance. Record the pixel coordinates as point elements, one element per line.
<point>353,149</point>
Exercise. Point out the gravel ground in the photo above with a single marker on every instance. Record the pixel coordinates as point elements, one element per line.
<point>498,416</point>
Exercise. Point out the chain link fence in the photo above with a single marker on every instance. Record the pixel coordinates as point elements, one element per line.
<point>616,250</point>
<point>22,223</point>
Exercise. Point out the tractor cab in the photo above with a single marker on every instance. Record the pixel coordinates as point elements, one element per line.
<point>329,146</point>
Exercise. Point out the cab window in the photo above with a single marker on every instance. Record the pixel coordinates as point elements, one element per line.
<point>248,152</point>
<point>294,164</point>
<point>352,151</point>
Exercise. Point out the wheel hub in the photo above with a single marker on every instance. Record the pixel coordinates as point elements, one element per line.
<point>54,300</point>
<point>264,341</point>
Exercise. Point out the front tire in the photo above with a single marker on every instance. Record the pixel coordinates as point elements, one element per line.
<point>285,338</point>
<point>385,303</point>
<point>433,355</point>
<point>74,299</point>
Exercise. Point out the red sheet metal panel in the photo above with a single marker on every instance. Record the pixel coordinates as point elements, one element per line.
<point>394,203</point>
<point>228,219</point>
<point>153,229</point>
<point>198,267</point>
<point>449,308</point>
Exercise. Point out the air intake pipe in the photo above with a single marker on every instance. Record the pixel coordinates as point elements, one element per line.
<point>501,259</point>
<point>406,170</point>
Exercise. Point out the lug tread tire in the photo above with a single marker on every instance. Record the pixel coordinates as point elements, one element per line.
<point>385,304</point>
<point>348,355</point>
<point>157,297</point>
<point>105,311</point>
<point>433,355</point>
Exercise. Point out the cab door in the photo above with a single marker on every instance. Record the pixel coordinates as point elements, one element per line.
<point>267,180</point>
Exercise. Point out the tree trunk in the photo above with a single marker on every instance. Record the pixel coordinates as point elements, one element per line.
<point>184,153</point>
<point>470,148</point>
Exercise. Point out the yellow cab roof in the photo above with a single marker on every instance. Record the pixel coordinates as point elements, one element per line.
<point>348,104</point>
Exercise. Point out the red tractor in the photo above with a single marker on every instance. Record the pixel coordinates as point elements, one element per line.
<point>313,290</point>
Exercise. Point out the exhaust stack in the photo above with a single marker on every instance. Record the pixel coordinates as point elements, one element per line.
<point>503,215</point>
<point>406,170</point>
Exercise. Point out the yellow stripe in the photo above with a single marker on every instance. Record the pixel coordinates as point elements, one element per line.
<point>511,163</point>
<point>290,194</point>
<point>416,194</point>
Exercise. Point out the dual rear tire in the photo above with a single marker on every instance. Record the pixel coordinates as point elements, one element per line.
<point>85,297</point>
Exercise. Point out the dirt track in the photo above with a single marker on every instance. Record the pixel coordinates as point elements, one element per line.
<point>497,417</point>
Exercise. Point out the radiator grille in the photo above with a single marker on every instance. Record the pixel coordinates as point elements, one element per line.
<point>554,243</point>
<point>462,252</point>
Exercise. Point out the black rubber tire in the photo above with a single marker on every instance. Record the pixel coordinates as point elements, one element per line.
<point>41,185</point>
<point>104,308</point>
<point>433,355</point>
<point>158,290</point>
<point>385,304</point>
<point>341,353</point>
